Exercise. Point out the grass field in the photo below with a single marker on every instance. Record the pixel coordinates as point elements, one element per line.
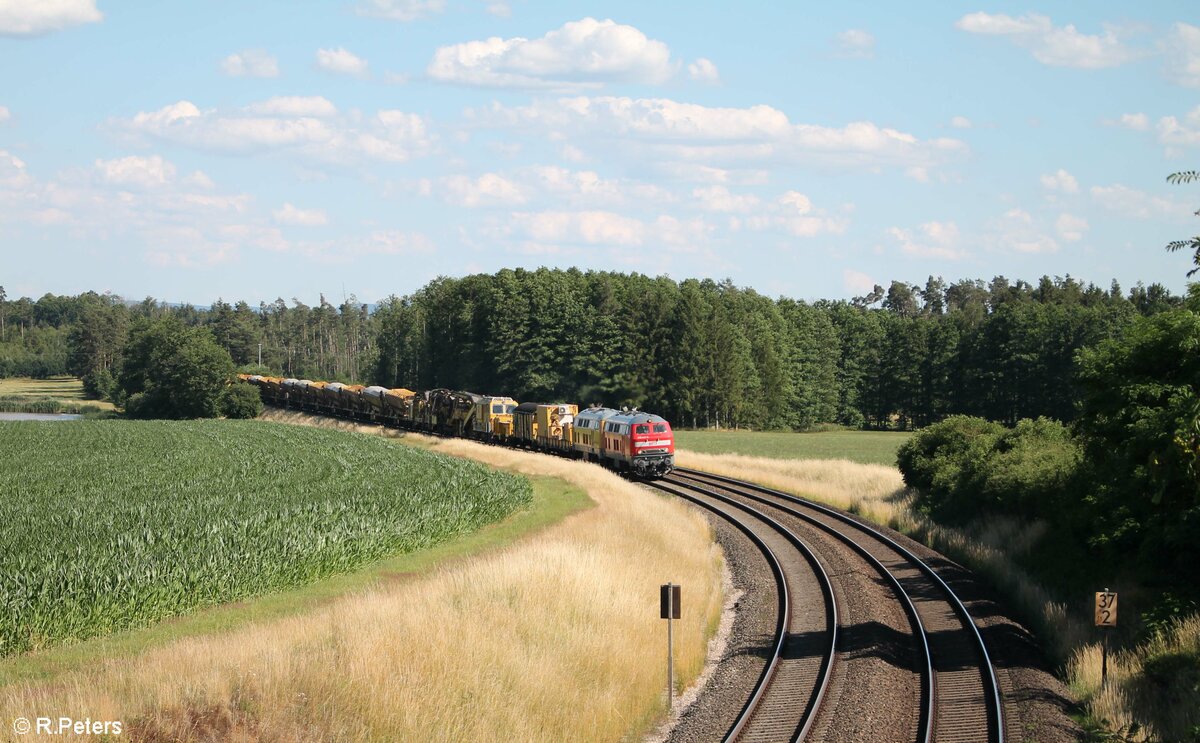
<point>68,391</point>
<point>58,388</point>
<point>114,524</point>
<point>865,447</point>
<point>556,637</point>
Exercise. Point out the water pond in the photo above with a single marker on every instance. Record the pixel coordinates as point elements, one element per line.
<point>39,417</point>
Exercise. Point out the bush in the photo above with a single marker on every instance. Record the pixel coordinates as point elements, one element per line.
<point>99,384</point>
<point>965,465</point>
<point>241,400</point>
<point>1032,471</point>
<point>260,369</point>
<point>138,406</point>
<point>940,460</point>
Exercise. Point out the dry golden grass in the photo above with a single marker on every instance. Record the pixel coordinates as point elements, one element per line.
<point>555,638</point>
<point>861,488</point>
<point>1154,686</point>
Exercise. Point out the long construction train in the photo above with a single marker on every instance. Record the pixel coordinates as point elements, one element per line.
<point>625,440</point>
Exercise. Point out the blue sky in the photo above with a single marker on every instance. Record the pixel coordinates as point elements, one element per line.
<point>254,150</point>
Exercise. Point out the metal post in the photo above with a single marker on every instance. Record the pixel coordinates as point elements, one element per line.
<point>1104,655</point>
<point>670,648</point>
<point>1104,661</point>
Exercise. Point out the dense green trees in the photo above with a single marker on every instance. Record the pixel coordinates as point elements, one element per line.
<point>706,353</point>
<point>1122,482</point>
<point>703,353</point>
<point>170,370</point>
<point>1140,424</point>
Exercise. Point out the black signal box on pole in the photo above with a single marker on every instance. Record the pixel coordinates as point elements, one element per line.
<point>668,602</point>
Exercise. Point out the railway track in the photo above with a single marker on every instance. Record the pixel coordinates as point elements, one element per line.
<point>937,683</point>
<point>802,648</point>
<point>953,694</point>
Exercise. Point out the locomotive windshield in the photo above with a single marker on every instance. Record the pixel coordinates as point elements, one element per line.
<point>642,428</point>
<point>660,427</point>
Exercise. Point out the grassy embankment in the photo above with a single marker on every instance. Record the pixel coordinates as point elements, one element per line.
<point>1154,688</point>
<point>53,395</point>
<point>545,639</point>
<point>865,447</point>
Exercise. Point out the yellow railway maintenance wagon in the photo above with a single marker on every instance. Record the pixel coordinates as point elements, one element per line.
<point>545,425</point>
<point>494,417</point>
<point>398,404</point>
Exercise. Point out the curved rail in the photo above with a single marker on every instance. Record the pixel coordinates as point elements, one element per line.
<point>831,613</point>
<point>995,709</point>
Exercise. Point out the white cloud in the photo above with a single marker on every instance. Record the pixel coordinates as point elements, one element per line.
<point>572,154</point>
<point>5,114</point>
<point>685,132</point>
<point>342,62</point>
<point>1070,227</point>
<point>588,227</point>
<point>1060,181</point>
<point>553,232</point>
<point>294,106</point>
<point>582,188</point>
<point>400,10</point>
<point>1181,49</point>
<point>793,213</point>
<point>199,179</point>
<point>795,202</point>
<point>250,63</point>
<point>291,215</point>
<point>140,172</point>
<point>13,173</point>
<point>703,70</point>
<point>546,185</point>
<point>389,135</point>
<point>698,173</point>
<point>1175,133</point>
<point>1058,46</point>
<point>488,189</point>
<point>1138,122</point>
<point>581,53</point>
<point>856,42</point>
<point>930,240</point>
<point>720,199</point>
<point>1130,202</point>
<point>500,9</point>
<point>857,282</point>
<point>1016,231</point>
<point>37,17</point>
<point>918,173</point>
<point>960,122</point>
<point>137,201</point>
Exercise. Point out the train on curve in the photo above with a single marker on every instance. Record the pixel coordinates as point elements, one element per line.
<point>624,440</point>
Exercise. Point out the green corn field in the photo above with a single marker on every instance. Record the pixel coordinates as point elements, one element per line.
<point>107,525</point>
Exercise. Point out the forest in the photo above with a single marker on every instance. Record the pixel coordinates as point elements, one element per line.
<point>700,352</point>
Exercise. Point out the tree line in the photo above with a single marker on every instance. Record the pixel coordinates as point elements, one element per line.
<point>700,352</point>
<point>1119,487</point>
<point>707,353</point>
